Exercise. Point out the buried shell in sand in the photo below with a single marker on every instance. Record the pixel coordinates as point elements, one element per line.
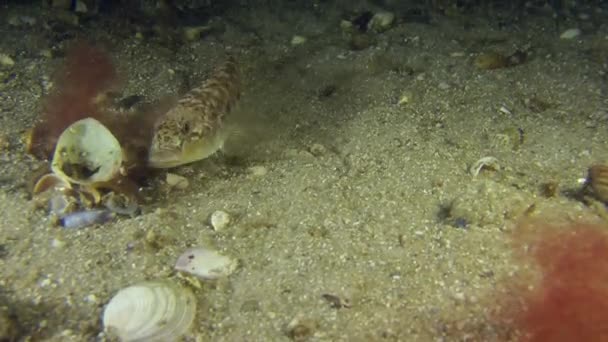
<point>150,311</point>
<point>205,263</point>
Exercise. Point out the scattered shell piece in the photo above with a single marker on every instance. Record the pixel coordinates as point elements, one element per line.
<point>298,40</point>
<point>335,302</point>
<point>60,203</point>
<point>597,179</point>
<point>89,196</point>
<point>406,98</point>
<point>6,60</point>
<point>490,60</point>
<point>85,218</point>
<point>50,182</point>
<point>484,163</point>
<point>381,21</point>
<point>64,4</point>
<point>5,143</point>
<point>192,33</point>
<point>80,7</point>
<point>120,204</point>
<point>175,181</point>
<point>346,25</point>
<point>205,264</point>
<point>150,311</point>
<point>258,171</point>
<point>220,220</point>
<point>301,328</point>
<point>570,33</point>
<point>317,150</point>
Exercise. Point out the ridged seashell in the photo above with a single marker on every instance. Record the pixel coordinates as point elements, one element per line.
<point>87,153</point>
<point>150,311</point>
<point>597,179</point>
<point>205,263</point>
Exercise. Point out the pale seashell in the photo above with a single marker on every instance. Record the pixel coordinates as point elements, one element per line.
<point>150,311</point>
<point>87,153</point>
<point>205,263</point>
<point>220,220</point>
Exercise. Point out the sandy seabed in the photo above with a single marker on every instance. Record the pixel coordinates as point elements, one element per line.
<point>363,196</point>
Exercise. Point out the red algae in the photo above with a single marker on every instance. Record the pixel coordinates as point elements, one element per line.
<point>86,73</point>
<point>566,299</point>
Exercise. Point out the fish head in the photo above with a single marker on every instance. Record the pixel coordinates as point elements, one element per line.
<point>181,137</point>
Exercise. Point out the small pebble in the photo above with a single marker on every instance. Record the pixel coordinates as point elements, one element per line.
<point>6,60</point>
<point>178,182</point>
<point>220,220</point>
<point>570,33</point>
<point>317,150</point>
<point>443,86</point>
<point>298,40</point>
<point>381,21</point>
<point>258,171</point>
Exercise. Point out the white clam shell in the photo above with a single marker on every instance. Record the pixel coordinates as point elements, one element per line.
<point>87,153</point>
<point>150,311</point>
<point>205,263</point>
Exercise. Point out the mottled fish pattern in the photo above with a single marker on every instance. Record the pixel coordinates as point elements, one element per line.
<point>194,128</point>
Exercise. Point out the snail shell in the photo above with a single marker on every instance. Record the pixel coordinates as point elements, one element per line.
<point>150,311</point>
<point>597,179</point>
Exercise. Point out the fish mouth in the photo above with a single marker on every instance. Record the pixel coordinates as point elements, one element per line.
<point>164,159</point>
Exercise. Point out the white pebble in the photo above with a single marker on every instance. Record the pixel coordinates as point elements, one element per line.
<point>258,171</point>
<point>220,220</point>
<point>6,60</point>
<point>175,181</point>
<point>570,33</point>
<point>381,21</point>
<point>298,40</point>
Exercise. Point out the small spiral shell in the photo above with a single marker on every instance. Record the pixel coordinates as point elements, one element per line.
<point>597,179</point>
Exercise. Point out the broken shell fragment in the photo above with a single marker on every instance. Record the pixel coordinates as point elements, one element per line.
<point>55,194</point>
<point>150,311</point>
<point>205,264</point>
<point>87,153</point>
<point>485,163</point>
<point>220,220</point>
<point>597,179</point>
<point>50,182</point>
<point>85,218</point>
<point>121,204</point>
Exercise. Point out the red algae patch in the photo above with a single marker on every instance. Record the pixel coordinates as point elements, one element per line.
<point>566,297</point>
<point>87,72</point>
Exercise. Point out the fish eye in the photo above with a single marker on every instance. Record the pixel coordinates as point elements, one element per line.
<point>186,128</point>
